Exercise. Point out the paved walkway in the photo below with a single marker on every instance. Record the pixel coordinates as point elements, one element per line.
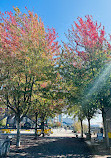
<point>61,144</point>
<point>52,147</point>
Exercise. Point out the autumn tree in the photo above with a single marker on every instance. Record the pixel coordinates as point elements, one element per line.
<point>87,47</point>
<point>77,112</point>
<point>85,54</point>
<point>48,99</point>
<point>25,48</point>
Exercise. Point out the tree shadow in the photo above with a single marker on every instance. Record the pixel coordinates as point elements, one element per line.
<point>52,147</point>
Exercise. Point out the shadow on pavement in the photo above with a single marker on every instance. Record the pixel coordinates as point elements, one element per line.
<point>52,147</point>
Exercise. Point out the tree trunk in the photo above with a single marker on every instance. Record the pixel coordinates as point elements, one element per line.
<point>36,115</point>
<point>81,129</point>
<point>18,132</point>
<point>46,122</point>
<point>42,125</point>
<point>105,127</point>
<point>89,130</point>
<point>7,121</point>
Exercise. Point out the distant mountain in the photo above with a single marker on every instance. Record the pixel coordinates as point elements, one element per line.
<point>68,121</point>
<point>95,125</point>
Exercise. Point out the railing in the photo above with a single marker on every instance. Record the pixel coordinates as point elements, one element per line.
<point>39,130</point>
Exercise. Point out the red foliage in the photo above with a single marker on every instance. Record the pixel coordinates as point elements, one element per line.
<point>89,33</point>
<point>19,32</point>
<point>85,37</point>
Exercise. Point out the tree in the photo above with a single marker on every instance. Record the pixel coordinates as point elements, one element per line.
<point>85,54</point>
<point>104,100</point>
<point>77,126</point>
<point>48,100</point>
<point>25,49</point>
<point>87,46</point>
<point>77,112</point>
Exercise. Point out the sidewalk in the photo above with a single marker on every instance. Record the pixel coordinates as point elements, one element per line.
<point>98,148</point>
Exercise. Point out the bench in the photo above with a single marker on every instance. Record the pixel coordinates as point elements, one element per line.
<point>4,146</point>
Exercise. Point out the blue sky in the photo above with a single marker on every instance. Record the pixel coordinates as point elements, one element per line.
<point>60,14</point>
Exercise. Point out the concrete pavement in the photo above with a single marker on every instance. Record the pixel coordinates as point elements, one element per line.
<point>62,143</point>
